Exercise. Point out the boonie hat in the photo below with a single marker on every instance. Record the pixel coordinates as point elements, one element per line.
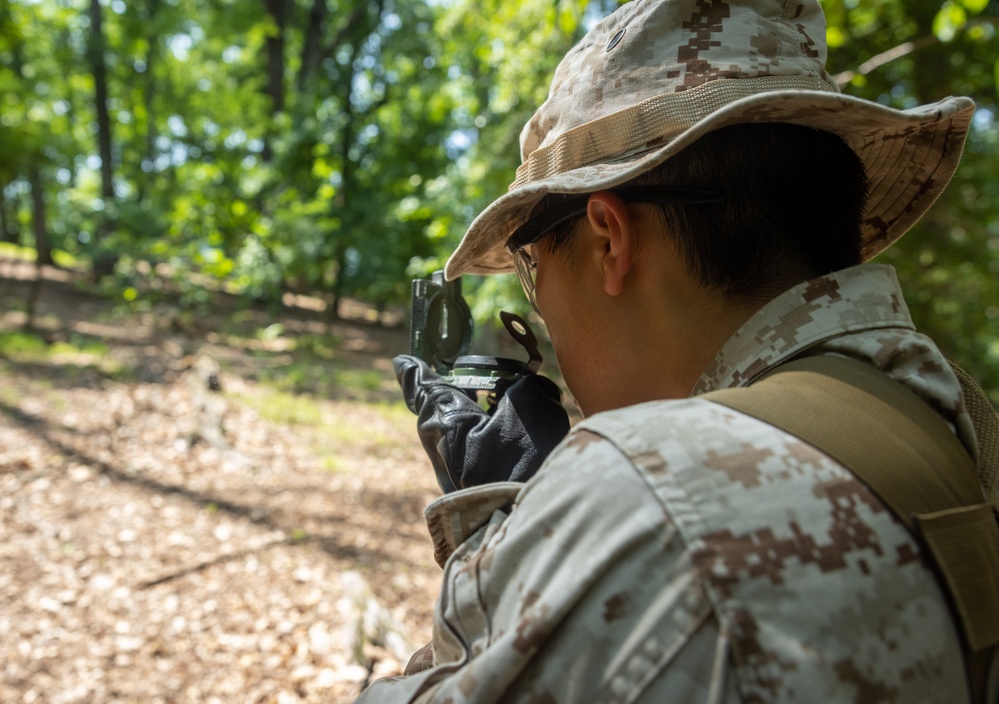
<point>656,75</point>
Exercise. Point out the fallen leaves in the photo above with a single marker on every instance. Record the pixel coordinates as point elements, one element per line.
<point>144,563</point>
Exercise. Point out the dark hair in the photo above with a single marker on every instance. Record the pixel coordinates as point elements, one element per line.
<point>794,201</point>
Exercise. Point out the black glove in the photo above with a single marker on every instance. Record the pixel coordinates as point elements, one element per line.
<point>469,446</point>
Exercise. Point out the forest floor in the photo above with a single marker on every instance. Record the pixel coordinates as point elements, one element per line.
<point>162,541</point>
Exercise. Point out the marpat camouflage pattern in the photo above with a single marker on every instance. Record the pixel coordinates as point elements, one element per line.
<point>681,551</point>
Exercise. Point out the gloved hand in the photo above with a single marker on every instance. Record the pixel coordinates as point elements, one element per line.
<point>469,446</point>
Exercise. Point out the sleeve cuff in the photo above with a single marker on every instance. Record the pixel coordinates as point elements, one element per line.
<point>455,516</point>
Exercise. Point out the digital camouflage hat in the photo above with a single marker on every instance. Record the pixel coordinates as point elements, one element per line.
<point>657,74</point>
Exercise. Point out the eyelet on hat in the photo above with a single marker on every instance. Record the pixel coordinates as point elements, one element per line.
<point>616,39</point>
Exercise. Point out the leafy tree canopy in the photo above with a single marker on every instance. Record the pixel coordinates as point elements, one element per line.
<point>341,147</point>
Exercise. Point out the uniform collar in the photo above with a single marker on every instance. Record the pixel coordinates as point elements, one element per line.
<point>861,298</point>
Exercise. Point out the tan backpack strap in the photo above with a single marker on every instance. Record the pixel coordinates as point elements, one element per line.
<point>900,448</point>
<point>986,422</point>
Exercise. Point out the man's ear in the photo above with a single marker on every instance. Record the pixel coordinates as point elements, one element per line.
<point>611,220</point>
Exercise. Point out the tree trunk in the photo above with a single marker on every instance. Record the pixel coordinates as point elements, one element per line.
<point>340,204</point>
<point>311,49</point>
<point>38,221</point>
<point>149,95</point>
<point>933,73</point>
<point>334,312</point>
<point>43,254</point>
<point>99,68</point>
<point>10,230</point>
<point>277,9</point>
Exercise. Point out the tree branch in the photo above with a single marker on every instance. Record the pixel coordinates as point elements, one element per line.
<point>897,52</point>
<point>352,22</point>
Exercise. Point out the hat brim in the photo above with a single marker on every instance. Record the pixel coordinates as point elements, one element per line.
<point>909,157</point>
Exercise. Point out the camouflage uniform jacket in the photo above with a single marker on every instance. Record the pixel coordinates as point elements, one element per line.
<point>681,551</point>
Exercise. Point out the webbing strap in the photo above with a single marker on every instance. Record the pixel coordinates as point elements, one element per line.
<point>899,447</point>
<point>986,423</point>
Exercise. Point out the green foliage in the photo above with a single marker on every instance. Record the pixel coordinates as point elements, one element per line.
<point>949,262</point>
<point>218,169</point>
<point>503,71</point>
<point>26,346</point>
<point>13,251</point>
<point>284,407</point>
<point>335,430</point>
<point>22,345</point>
<point>76,357</point>
<point>342,146</point>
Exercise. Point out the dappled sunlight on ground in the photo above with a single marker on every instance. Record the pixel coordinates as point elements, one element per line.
<point>162,541</point>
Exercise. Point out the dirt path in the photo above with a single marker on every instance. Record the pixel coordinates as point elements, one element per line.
<point>163,542</point>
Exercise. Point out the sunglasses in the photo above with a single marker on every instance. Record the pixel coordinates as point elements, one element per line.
<point>521,242</point>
